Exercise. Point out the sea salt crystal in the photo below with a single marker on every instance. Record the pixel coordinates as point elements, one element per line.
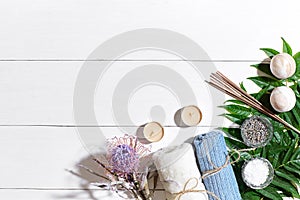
<point>256,172</point>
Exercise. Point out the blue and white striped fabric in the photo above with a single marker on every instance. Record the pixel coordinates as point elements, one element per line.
<point>211,153</point>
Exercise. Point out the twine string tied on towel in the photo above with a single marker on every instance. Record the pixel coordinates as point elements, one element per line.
<point>227,162</point>
<point>193,189</point>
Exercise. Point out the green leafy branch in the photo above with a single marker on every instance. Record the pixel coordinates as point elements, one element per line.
<point>283,151</point>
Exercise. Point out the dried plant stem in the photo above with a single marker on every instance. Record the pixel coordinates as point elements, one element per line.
<point>222,83</point>
<point>147,191</point>
<point>92,172</point>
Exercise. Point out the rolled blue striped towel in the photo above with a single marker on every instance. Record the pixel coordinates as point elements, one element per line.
<point>211,153</point>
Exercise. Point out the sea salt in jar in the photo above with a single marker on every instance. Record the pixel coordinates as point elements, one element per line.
<point>256,131</point>
<point>257,173</point>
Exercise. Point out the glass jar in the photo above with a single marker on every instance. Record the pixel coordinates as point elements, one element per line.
<point>262,174</point>
<point>256,131</point>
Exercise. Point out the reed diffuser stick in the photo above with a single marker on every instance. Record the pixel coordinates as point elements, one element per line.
<point>222,83</point>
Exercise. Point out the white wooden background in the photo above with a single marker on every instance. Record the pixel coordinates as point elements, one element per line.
<point>43,44</point>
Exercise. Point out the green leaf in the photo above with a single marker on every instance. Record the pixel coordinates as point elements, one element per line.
<point>284,185</point>
<point>263,91</point>
<point>276,148</point>
<point>262,82</point>
<point>270,52</point>
<point>263,67</point>
<point>233,132</point>
<point>296,76</point>
<point>287,175</point>
<point>296,115</point>
<point>293,133</point>
<point>257,152</point>
<point>275,161</point>
<point>234,144</point>
<point>235,101</point>
<point>289,152</point>
<point>287,117</point>
<point>295,165</point>
<point>235,118</point>
<point>296,154</point>
<point>286,48</point>
<point>294,87</point>
<point>286,139</point>
<point>270,193</point>
<point>264,152</point>
<point>276,125</point>
<point>238,110</point>
<point>277,136</point>
<point>245,156</point>
<point>251,195</point>
<point>297,58</point>
<point>292,117</point>
<point>292,169</point>
<point>242,86</point>
<point>295,162</point>
<point>295,111</point>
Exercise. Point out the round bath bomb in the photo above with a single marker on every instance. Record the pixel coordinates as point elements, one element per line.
<point>283,99</point>
<point>283,66</point>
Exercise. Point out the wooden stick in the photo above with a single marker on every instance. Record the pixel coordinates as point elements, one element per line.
<point>222,83</point>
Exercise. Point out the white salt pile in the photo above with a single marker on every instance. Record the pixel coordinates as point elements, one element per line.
<point>256,172</point>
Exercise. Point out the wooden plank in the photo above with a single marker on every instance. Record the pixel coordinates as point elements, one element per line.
<point>56,194</point>
<point>72,30</point>
<point>63,195</point>
<point>39,157</point>
<point>35,161</point>
<point>42,93</point>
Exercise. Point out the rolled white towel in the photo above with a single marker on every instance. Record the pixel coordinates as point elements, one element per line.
<point>177,168</point>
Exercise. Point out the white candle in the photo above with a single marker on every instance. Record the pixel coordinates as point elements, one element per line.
<point>153,131</point>
<point>191,115</point>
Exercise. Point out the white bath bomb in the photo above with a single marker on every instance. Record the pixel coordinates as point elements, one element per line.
<point>283,66</point>
<point>283,99</point>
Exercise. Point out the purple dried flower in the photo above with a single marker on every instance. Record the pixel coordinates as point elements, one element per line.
<point>124,159</point>
<point>124,154</point>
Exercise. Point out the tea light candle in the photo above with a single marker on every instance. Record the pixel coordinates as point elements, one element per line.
<point>191,115</point>
<point>153,132</point>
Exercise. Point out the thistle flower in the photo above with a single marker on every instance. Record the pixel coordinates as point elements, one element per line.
<point>124,154</point>
<point>124,159</point>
